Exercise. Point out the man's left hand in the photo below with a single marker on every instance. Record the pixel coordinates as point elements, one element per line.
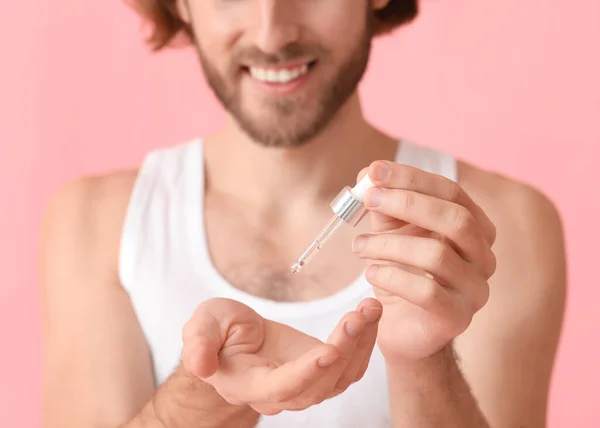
<point>429,256</point>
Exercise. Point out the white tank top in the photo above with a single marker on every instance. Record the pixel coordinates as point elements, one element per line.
<point>166,269</point>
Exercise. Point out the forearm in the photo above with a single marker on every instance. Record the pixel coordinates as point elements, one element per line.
<point>432,393</point>
<point>184,401</point>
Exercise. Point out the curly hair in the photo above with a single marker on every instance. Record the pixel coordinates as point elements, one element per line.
<point>167,26</point>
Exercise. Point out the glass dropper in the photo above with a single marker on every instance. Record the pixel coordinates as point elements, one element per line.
<point>347,208</point>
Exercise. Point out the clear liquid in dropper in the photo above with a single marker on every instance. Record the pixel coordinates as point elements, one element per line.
<point>327,232</point>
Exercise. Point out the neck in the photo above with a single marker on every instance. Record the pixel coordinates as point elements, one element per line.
<point>306,175</point>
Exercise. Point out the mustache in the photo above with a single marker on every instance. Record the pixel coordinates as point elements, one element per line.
<point>288,53</point>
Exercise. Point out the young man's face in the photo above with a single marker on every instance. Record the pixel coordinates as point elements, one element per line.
<point>282,68</point>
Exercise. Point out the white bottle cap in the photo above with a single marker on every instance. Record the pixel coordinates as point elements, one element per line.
<point>361,188</point>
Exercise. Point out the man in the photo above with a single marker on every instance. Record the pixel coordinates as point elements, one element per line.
<point>168,299</point>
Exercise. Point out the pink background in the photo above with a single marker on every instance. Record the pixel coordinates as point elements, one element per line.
<point>511,85</point>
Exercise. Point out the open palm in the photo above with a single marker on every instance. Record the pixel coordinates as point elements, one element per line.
<point>273,367</point>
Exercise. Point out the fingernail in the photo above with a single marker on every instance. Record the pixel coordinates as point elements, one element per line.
<point>327,360</point>
<point>371,271</point>
<point>373,198</point>
<point>382,171</point>
<point>353,328</point>
<point>359,243</point>
<point>371,313</point>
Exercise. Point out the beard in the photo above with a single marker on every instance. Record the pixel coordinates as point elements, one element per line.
<point>292,120</point>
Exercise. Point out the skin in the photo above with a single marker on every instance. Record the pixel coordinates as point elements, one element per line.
<point>248,365</point>
<point>474,273</point>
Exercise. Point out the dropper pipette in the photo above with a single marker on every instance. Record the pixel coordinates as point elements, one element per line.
<point>347,208</point>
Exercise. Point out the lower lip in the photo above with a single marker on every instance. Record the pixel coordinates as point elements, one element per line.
<point>282,88</point>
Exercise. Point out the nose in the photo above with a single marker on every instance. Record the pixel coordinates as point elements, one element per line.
<point>277,25</point>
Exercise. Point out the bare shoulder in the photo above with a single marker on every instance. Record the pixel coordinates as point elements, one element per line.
<point>495,191</point>
<point>509,350</point>
<point>86,215</point>
<point>87,316</point>
<point>528,222</point>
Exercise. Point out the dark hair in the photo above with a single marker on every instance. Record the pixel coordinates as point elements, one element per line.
<point>167,26</point>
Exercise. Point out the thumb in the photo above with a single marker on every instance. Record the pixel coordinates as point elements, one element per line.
<point>201,344</point>
<point>380,222</point>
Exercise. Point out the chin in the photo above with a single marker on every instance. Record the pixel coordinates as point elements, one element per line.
<point>275,129</point>
<point>279,138</point>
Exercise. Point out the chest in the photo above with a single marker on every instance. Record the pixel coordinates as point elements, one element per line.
<point>255,255</point>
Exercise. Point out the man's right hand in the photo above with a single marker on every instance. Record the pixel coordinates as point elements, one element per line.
<point>272,367</point>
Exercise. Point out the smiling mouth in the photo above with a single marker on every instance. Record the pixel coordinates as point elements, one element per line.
<point>279,74</point>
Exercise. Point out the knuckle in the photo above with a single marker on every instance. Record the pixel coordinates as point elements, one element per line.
<point>437,254</point>
<point>341,386</point>
<point>187,330</point>
<point>403,201</point>
<point>382,245</point>
<point>318,397</point>
<point>392,277</point>
<point>454,191</point>
<point>384,242</point>
<point>409,177</point>
<point>345,383</point>
<point>462,220</point>
<point>278,396</point>
<point>407,200</point>
<point>338,389</point>
<point>387,244</point>
<point>491,264</point>
<point>269,411</point>
<point>360,373</point>
<point>429,292</point>
<point>462,324</point>
<point>493,233</point>
<point>483,295</point>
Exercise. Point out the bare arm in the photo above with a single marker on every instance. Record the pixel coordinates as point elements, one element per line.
<point>97,366</point>
<point>508,353</point>
<point>183,401</point>
<point>505,358</point>
<point>433,393</point>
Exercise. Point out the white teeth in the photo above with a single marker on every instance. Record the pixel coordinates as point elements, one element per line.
<point>258,73</point>
<point>272,76</point>
<point>284,76</point>
<point>278,76</point>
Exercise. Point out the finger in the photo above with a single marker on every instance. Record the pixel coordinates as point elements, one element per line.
<point>419,290</point>
<point>381,222</point>
<point>201,344</point>
<point>452,221</point>
<point>371,309</point>
<point>427,254</point>
<point>360,360</point>
<point>351,336</point>
<point>394,175</point>
<point>346,335</point>
<point>268,409</point>
<point>292,378</point>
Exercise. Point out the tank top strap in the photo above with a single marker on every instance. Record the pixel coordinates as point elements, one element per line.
<point>427,159</point>
<point>168,180</point>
